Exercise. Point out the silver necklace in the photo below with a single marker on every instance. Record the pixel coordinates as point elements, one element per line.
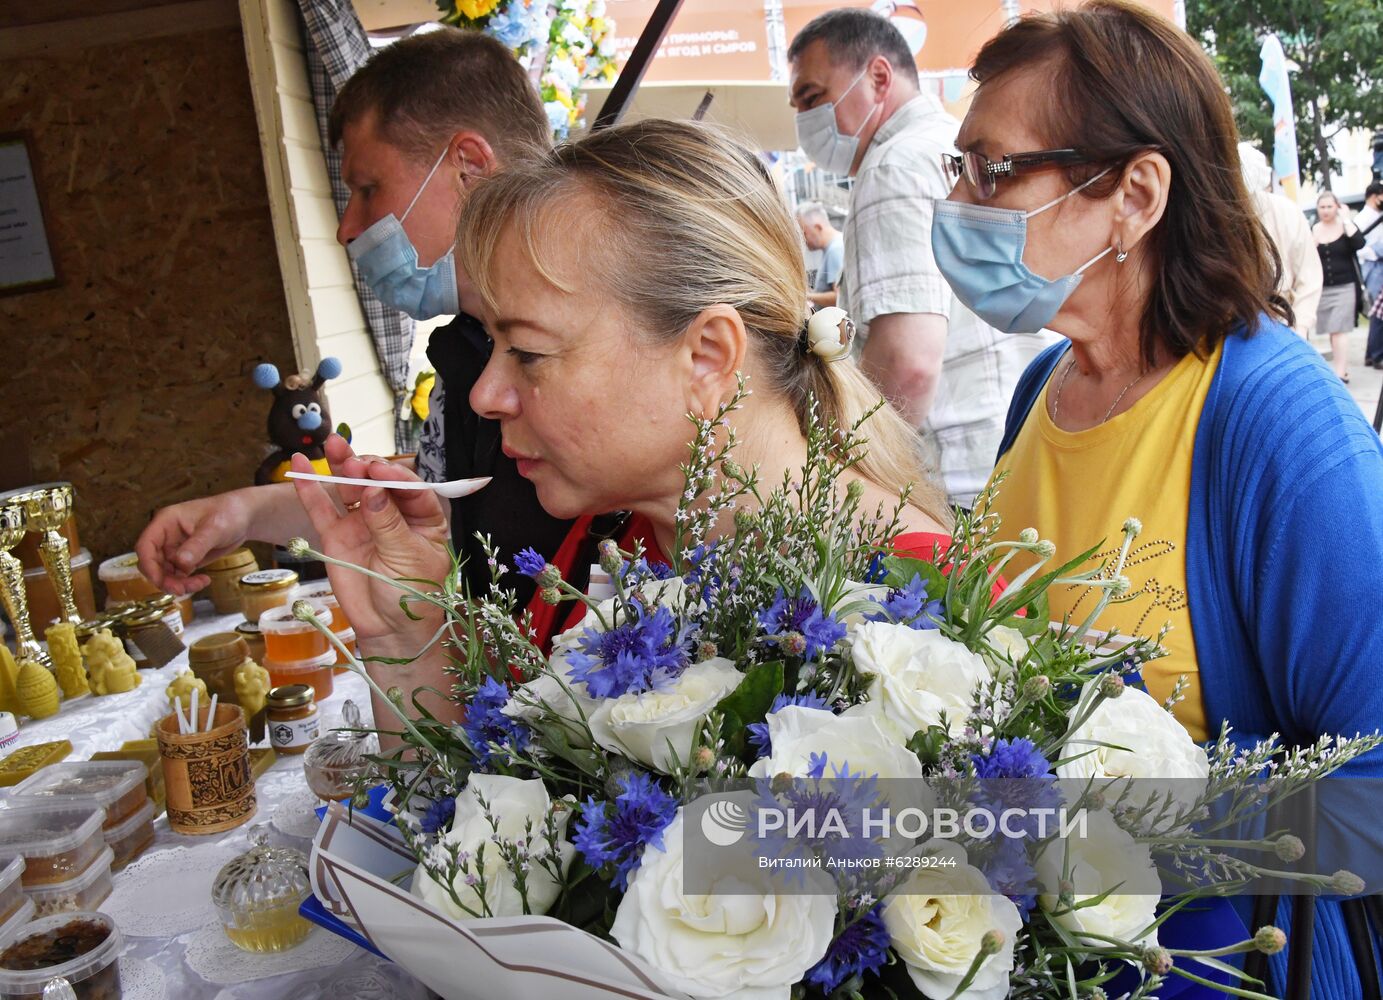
<point>1056,401</point>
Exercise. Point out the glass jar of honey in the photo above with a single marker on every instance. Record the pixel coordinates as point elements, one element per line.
<point>254,639</point>
<point>293,719</point>
<point>257,896</point>
<point>169,610</point>
<point>265,589</point>
<point>287,638</point>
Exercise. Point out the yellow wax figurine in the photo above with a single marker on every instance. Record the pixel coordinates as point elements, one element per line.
<point>38,691</point>
<point>9,676</point>
<point>182,687</point>
<point>111,668</point>
<point>67,659</point>
<point>251,687</point>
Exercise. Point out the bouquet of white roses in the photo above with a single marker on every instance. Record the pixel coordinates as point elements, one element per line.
<point>650,780</point>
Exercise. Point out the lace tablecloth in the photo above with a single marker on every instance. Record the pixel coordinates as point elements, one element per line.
<point>162,901</point>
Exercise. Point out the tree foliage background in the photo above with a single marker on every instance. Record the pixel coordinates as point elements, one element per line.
<point>1337,43</point>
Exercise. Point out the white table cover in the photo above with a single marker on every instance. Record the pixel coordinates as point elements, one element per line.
<point>93,724</point>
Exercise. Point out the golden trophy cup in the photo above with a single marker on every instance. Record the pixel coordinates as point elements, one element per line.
<point>13,525</point>
<point>48,508</point>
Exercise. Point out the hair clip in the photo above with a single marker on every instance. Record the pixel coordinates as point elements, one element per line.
<point>828,333</point>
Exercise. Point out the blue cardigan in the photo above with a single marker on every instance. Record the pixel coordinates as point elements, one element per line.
<point>1284,567</point>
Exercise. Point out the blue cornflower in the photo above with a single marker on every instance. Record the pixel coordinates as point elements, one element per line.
<point>862,946</point>
<point>1010,874</point>
<point>617,834</point>
<point>908,606</point>
<point>641,570</point>
<point>801,614</point>
<point>1015,775</point>
<point>487,727</point>
<point>529,563</point>
<point>641,653</point>
<point>838,803</point>
<point>758,731</point>
<point>438,814</point>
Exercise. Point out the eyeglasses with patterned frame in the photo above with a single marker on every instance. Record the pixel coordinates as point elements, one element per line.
<point>984,174</point>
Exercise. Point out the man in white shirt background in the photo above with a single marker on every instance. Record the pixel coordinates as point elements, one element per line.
<point>1371,266</point>
<point>860,111</point>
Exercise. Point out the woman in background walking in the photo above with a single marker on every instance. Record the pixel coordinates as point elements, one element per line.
<point>1337,241</point>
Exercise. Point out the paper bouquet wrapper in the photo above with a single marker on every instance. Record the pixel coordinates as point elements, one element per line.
<point>361,871</point>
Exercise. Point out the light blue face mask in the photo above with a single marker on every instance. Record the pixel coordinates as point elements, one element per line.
<point>979,251</point>
<point>388,262</point>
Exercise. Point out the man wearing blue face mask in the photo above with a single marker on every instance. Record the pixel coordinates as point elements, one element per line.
<point>860,112</point>
<point>417,126</point>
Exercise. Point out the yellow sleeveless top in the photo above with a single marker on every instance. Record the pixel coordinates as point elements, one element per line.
<point>1077,489</point>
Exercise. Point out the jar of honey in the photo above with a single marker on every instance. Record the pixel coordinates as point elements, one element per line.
<point>123,579</point>
<point>287,638</point>
<point>169,610</point>
<point>225,574</point>
<point>293,718</point>
<point>319,592</point>
<point>315,672</point>
<point>265,589</point>
<point>254,639</point>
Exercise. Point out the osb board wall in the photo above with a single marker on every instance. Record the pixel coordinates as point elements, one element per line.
<point>132,380</point>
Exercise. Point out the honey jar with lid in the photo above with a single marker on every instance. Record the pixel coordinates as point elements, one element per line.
<point>123,579</point>
<point>265,589</point>
<point>287,638</point>
<point>293,718</point>
<point>254,639</point>
<point>214,658</point>
<point>257,896</point>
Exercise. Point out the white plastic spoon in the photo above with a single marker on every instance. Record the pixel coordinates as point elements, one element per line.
<point>453,490</point>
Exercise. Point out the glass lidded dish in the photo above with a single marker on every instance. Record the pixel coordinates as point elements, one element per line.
<point>337,760</point>
<point>257,896</point>
<point>117,786</point>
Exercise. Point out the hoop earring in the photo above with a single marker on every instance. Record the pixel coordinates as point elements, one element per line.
<point>1120,254</point>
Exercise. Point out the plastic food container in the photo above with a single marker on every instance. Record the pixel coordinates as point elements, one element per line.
<point>11,891</point>
<point>83,948</point>
<point>315,672</point>
<point>113,785</point>
<point>123,580</point>
<point>18,920</point>
<point>56,841</point>
<point>265,589</point>
<point>130,839</point>
<point>287,638</point>
<point>85,892</point>
<point>319,592</point>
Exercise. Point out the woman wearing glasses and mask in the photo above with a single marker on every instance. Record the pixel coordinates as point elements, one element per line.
<point>1098,193</point>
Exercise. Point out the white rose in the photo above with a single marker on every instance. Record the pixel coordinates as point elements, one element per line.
<point>641,726</point>
<point>1007,647</point>
<point>914,676</point>
<point>555,691</point>
<point>856,740</point>
<point>514,804</point>
<point>1105,858</point>
<point>747,945</point>
<point>937,918</point>
<point>1133,736</point>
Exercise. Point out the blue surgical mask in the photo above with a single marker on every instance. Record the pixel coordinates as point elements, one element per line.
<point>979,251</point>
<point>388,262</point>
<point>821,139</point>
